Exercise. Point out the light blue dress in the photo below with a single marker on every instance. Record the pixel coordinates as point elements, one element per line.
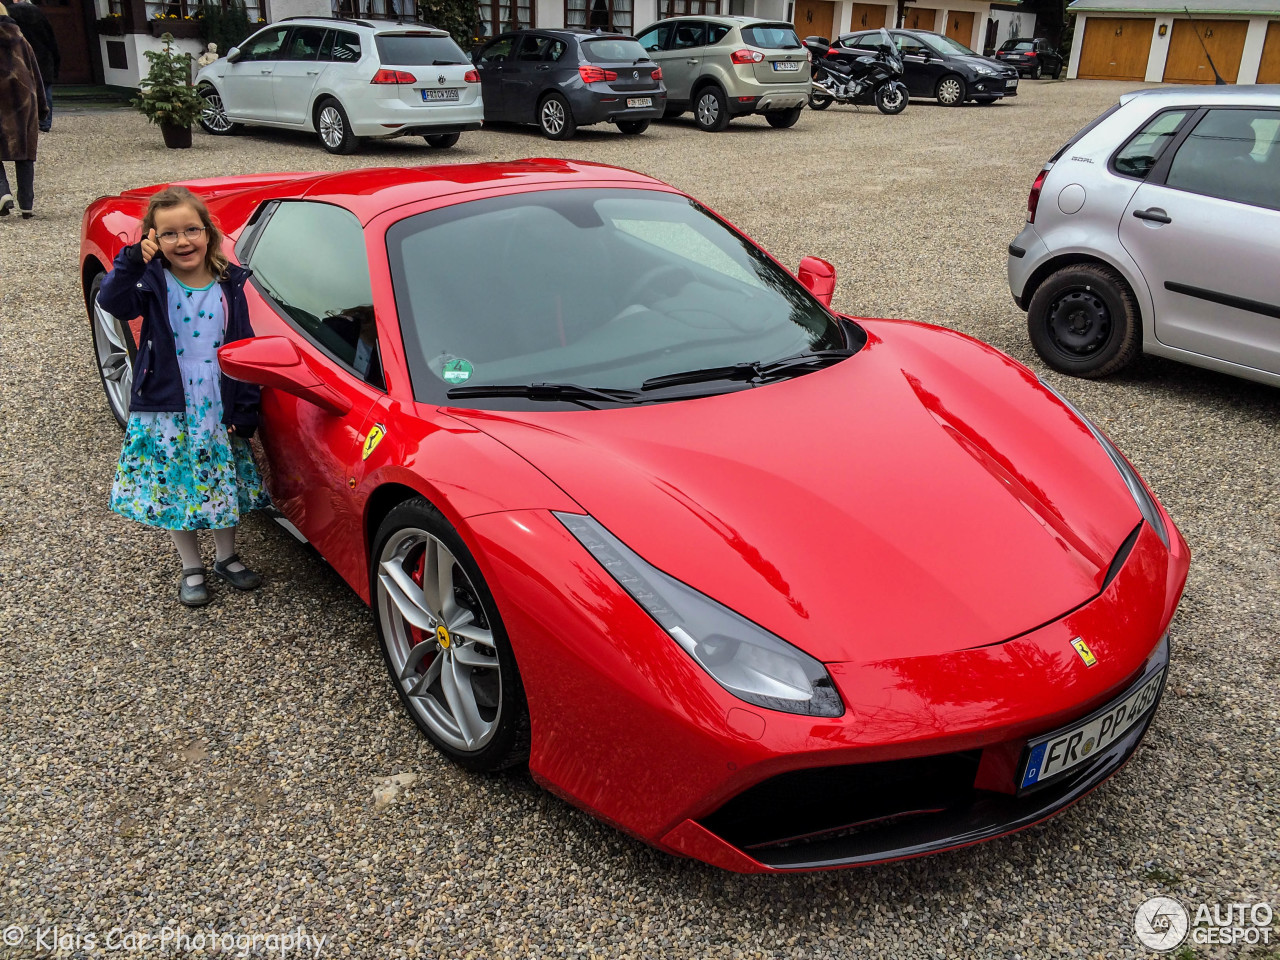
<point>184,471</point>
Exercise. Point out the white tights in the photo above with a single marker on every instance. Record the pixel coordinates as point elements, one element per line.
<point>224,542</point>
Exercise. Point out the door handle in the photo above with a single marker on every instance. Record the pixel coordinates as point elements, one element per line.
<point>543,66</point>
<point>313,73</point>
<point>692,63</point>
<point>265,73</point>
<point>1154,214</point>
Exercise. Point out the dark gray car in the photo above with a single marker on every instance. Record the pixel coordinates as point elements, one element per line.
<point>565,79</point>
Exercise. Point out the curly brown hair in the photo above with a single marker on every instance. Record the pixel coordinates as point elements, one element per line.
<point>169,197</point>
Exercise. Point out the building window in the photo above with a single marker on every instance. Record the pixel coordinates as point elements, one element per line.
<point>375,9</point>
<point>499,16</point>
<point>684,8</point>
<point>613,15</point>
<point>190,9</point>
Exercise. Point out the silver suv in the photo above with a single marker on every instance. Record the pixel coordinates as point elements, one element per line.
<point>724,67</point>
<point>1157,229</point>
<point>345,80</point>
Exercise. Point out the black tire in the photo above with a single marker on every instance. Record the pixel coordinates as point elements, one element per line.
<point>891,99</point>
<point>555,118</point>
<point>113,352</point>
<point>491,695</point>
<point>213,120</point>
<point>711,109</point>
<point>442,141</point>
<point>781,119</point>
<point>1037,71</point>
<point>672,112</point>
<point>818,101</point>
<point>1057,73</point>
<point>951,90</point>
<point>1083,320</point>
<point>633,127</point>
<point>334,129</point>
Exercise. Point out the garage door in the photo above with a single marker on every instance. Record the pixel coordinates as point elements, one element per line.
<point>1269,68</point>
<point>919,19</point>
<point>1187,62</point>
<point>1115,49</point>
<point>868,16</point>
<point>814,18</point>
<point>960,27</point>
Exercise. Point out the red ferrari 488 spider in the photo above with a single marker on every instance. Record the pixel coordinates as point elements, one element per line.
<point>758,583</point>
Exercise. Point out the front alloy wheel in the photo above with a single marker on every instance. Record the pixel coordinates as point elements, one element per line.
<point>443,643</point>
<point>213,118</point>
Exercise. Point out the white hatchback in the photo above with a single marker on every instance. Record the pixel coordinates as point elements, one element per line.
<point>345,80</point>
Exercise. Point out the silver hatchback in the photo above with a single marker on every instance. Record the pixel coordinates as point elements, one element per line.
<point>1157,229</point>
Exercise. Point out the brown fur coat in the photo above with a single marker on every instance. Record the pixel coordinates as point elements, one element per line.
<point>22,102</point>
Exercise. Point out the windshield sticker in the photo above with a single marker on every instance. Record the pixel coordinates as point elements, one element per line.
<point>458,371</point>
<point>376,433</point>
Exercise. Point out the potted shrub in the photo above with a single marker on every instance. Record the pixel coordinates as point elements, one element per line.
<point>167,97</point>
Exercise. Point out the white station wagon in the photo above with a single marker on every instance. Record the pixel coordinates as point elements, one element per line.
<point>345,80</point>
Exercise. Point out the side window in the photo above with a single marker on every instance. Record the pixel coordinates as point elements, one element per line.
<point>716,32</point>
<point>346,47</point>
<point>908,46</point>
<point>326,47</point>
<point>497,51</point>
<point>1232,154</point>
<point>690,34</point>
<point>532,48</point>
<point>265,46</point>
<point>655,38</point>
<point>304,43</point>
<point>327,294</point>
<point>555,51</point>
<point>1139,155</point>
<point>868,40</point>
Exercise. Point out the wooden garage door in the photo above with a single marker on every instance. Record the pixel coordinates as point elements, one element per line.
<point>1187,62</point>
<point>1115,49</point>
<point>1269,68</point>
<point>815,18</point>
<point>960,27</point>
<point>919,18</point>
<point>868,16</point>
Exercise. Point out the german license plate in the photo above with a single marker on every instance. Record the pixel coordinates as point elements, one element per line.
<point>431,96</point>
<point>1010,84</point>
<point>639,101</point>
<point>786,65</point>
<point>1064,749</point>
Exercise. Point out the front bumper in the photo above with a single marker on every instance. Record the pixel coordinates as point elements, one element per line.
<point>992,87</point>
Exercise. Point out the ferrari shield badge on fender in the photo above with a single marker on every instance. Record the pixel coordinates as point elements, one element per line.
<point>376,433</point>
<point>1086,654</point>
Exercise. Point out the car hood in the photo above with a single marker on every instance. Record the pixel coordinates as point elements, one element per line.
<point>976,62</point>
<point>923,496</point>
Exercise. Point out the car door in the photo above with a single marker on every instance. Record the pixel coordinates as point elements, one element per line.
<point>1204,228</point>
<point>656,41</point>
<point>524,77</point>
<point>492,62</point>
<point>296,73</point>
<point>921,67</point>
<point>323,303</point>
<point>247,90</point>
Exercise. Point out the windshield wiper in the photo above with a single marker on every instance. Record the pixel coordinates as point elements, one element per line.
<point>755,370</point>
<point>572,392</point>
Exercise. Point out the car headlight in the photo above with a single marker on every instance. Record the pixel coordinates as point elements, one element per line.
<point>1150,512</point>
<point>741,656</point>
<point>985,71</point>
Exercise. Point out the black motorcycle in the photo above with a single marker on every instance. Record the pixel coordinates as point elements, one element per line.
<point>872,78</point>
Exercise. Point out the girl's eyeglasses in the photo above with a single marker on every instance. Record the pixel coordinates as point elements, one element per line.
<point>170,237</point>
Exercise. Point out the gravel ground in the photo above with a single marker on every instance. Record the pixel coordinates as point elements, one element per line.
<point>216,769</point>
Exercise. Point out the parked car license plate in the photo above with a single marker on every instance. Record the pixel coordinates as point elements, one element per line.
<point>786,65</point>
<point>1010,84</point>
<point>430,95</point>
<point>639,101</point>
<point>1064,749</point>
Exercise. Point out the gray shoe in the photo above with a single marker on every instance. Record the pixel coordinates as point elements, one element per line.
<point>244,579</point>
<point>193,594</point>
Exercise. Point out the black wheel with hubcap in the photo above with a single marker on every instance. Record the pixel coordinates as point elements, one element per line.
<point>632,127</point>
<point>113,348</point>
<point>891,99</point>
<point>1083,320</point>
<point>950,91</point>
<point>441,141</point>
<point>555,118</point>
<point>213,119</point>
<point>443,641</point>
<point>711,109</point>
<point>334,128</point>
<point>781,119</point>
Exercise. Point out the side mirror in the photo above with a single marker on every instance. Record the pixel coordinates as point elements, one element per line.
<point>817,276</point>
<point>233,55</point>
<point>275,362</point>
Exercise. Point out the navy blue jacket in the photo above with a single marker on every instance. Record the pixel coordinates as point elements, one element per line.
<point>134,288</point>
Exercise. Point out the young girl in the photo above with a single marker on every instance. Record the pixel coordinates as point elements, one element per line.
<point>185,465</point>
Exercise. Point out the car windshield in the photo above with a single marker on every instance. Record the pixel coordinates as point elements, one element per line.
<point>417,50</point>
<point>771,36</point>
<point>614,50</point>
<point>598,288</point>
<point>946,46</point>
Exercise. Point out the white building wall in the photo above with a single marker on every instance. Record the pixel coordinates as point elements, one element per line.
<point>135,45</point>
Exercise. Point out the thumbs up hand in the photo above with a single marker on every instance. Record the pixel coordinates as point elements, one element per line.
<point>150,246</point>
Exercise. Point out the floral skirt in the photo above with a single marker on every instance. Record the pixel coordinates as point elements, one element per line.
<point>184,471</point>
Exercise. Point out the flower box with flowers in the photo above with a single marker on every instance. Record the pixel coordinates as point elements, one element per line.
<point>112,25</point>
<point>182,28</point>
